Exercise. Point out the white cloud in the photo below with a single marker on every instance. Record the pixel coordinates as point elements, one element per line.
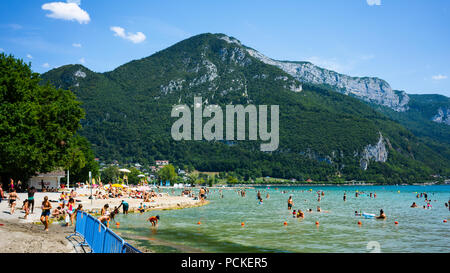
<point>439,77</point>
<point>66,11</point>
<point>78,2</point>
<point>46,65</point>
<point>373,2</point>
<point>76,45</point>
<point>29,56</point>
<point>82,60</point>
<point>136,38</point>
<point>2,50</point>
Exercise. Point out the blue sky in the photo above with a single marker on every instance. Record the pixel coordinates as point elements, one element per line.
<point>403,42</point>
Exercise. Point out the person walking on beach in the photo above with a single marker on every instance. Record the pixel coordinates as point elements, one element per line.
<point>1,193</point>
<point>26,207</point>
<point>46,207</point>
<point>11,184</point>
<point>12,200</point>
<point>31,192</point>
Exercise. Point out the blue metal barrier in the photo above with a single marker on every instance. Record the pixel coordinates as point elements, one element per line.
<point>98,237</point>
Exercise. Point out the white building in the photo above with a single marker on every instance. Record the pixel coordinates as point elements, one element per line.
<point>50,180</point>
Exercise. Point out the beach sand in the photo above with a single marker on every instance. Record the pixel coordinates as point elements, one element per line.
<point>18,235</point>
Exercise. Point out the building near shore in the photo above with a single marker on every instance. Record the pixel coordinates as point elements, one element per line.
<point>49,180</point>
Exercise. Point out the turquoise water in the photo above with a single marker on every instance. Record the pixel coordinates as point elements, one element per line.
<point>419,230</point>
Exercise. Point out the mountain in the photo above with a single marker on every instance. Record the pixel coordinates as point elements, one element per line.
<point>324,134</point>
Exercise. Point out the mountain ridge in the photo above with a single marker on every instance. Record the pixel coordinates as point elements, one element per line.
<point>323,134</point>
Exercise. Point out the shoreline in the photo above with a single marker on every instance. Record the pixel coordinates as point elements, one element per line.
<point>19,235</point>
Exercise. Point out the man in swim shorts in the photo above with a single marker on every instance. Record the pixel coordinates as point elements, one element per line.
<point>290,203</point>
<point>125,206</point>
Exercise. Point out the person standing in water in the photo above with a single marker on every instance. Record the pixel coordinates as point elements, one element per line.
<point>290,203</point>
<point>153,220</point>
<point>345,197</point>
<point>258,195</point>
<point>46,207</point>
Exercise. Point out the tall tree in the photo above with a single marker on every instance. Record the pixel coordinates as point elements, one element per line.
<point>36,121</point>
<point>167,173</point>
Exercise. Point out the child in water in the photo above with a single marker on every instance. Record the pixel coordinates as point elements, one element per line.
<point>153,220</point>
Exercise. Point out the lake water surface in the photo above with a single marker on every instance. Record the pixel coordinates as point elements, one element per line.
<point>419,230</point>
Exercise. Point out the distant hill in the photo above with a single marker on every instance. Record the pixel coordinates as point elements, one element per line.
<point>324,135</point>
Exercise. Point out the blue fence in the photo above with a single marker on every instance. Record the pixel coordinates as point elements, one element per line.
<point>98,237</point>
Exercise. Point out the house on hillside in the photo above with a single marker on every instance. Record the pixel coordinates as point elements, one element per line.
<point>162,162</point>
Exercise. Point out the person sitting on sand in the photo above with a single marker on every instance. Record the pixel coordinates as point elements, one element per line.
<point>382,215</point>
<point>57,212</point>
<point>153,220</point>
<point>414,205</point>
<point>46,207</point>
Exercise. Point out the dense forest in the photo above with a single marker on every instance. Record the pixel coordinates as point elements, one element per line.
<point>323,134</point>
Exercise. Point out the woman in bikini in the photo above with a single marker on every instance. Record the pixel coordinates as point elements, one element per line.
<point>46,207</point>
<point>105,215</point>
<point>12,200</point>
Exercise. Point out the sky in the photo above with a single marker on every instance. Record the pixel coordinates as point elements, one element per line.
<point>405,42</point>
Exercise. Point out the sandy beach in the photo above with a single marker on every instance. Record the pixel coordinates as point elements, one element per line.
<point>19,235</point>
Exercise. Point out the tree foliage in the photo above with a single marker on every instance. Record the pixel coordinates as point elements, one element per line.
<point>37,122</point>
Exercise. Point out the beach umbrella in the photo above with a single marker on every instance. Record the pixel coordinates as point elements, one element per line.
<point>124,170</point>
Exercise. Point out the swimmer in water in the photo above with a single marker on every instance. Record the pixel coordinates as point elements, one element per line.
<point>153,220</point>
<point>294,212</point>
<point>300,214</point>
<point>382,215</point>
<point>414,205</point>
<point>357,213</point>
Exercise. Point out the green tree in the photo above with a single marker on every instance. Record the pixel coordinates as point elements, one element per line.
<point>36,121</point>
<point>81,160</point>
<point>110,174</point>
<point>167,173</point>
<point>133,176</point>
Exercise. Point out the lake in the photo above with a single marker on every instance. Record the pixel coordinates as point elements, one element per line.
<point>418,229</point>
